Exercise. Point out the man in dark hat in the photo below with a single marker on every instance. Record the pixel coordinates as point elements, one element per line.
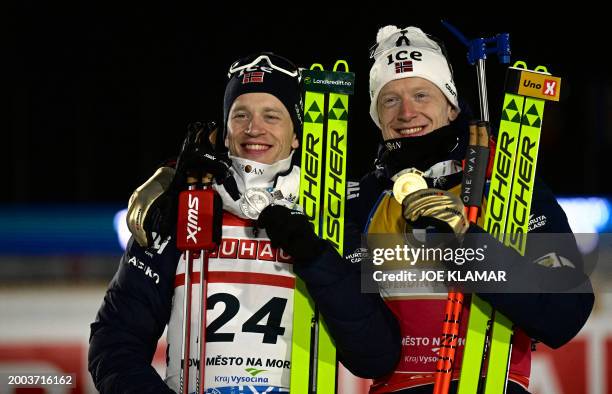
<point>261,125</point>
<point>251,276</point>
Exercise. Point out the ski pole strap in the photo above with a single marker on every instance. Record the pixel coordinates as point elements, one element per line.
<point>322,195</point>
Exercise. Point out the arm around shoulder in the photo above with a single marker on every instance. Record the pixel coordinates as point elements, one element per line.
<point>132,318</point>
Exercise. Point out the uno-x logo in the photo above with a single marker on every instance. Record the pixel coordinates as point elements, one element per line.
<point>550,87</point>
<point>192,219</point>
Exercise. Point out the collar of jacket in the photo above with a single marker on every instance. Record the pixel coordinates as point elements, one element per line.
<point>444,144</point>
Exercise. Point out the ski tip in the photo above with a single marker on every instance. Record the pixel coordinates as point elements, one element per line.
<point>520,64</point>
<point>340,63</point>
<point>316,66</point>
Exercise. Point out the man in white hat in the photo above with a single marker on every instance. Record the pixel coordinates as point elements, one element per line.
<point>415,105</point>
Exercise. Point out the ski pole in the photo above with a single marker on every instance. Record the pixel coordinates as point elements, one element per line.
<point>473,186</point>
<point>198,233</point>
<point>186,337</point>
<point>200,382</point>
<point>452,312</point>
<point>476,54</point>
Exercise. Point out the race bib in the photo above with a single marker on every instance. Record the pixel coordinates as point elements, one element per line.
<point>249,315</point>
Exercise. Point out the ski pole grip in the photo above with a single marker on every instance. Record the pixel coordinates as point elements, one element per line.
<point>199,220</point>
<point>477,47</point>
<point>474,172</point>
<point>205,179</point>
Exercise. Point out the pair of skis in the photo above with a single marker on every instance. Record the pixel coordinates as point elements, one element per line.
<point>322,195</point>
<point>507,219</point>
<point>507,214</point>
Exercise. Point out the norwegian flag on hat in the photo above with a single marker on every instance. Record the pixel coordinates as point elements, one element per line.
<point>256,76</point>
<point>403,67</point>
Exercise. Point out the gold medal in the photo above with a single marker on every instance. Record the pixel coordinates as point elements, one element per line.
<point>406,182</point>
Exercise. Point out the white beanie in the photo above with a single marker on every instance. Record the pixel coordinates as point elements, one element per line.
<point>404,53</point>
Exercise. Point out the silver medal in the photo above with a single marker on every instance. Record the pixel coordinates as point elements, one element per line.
<point>253,201</point>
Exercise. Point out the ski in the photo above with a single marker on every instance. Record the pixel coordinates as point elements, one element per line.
<point>494,224</point>
<point>507,216</point>
<point>310,200</point>
<point>322,195</point>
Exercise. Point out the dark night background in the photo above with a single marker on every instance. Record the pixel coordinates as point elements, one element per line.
<point>95,96</point>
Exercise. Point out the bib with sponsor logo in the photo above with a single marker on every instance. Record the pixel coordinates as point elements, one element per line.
<point>249,315</point>
<point>420,317</point>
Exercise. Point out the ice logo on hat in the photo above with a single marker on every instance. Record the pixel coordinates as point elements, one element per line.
<point>405,53</point>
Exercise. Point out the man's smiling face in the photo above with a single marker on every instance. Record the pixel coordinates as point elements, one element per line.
<point>260,129</point>
<point>412,107</point>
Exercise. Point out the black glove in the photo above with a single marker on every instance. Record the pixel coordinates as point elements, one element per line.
<point>291,231</point>
<point>198,158</point>
<point>153,206</point>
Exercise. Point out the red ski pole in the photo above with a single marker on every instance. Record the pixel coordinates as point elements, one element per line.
<point>475,174</point>
<point>198,233</point>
